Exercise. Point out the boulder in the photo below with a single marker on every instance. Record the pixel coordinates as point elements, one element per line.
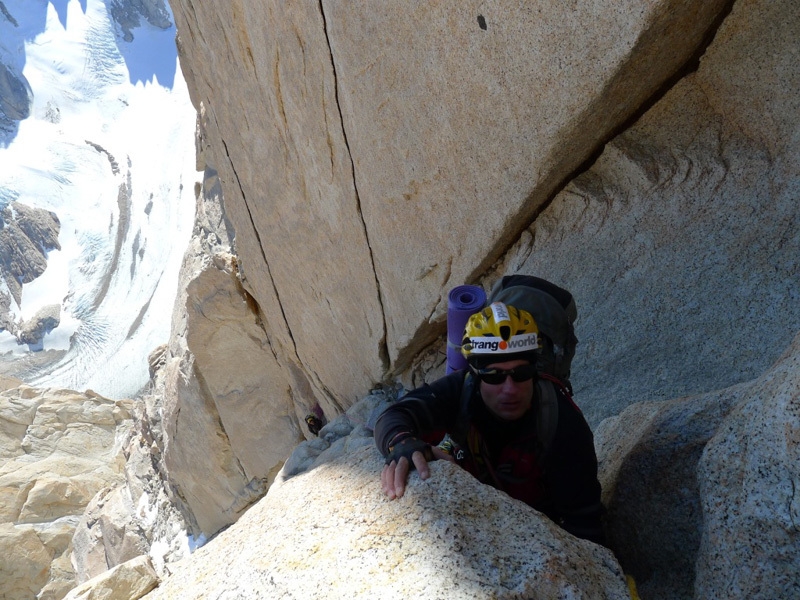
<point>330,533</point>
<point>700,490</point>
<point>129,581</point>
<point>25,567</point>
<point>749,475</point>
<point>648,460</point>
<point>106,535</point>
<point>43,322</point>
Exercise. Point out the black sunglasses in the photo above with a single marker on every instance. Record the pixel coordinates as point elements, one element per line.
<point>498,376</point>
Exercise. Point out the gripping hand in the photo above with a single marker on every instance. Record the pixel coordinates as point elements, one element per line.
<point>406,447</point>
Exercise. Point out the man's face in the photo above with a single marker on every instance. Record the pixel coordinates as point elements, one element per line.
<point>511,399</point>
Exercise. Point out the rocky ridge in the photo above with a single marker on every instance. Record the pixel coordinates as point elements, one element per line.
<point>58,448</point>
<point>26,235</point>
<point>447,537</point>
<point>678,238</point>
<point>325,515</point>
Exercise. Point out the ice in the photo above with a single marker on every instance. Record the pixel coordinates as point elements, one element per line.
<point>109,147</point>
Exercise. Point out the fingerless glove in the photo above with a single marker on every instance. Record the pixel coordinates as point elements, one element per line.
<point>406,447</point>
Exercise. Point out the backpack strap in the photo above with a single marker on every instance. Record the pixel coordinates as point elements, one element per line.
<point>460,431</point>
<point>547,415</point>
<point>566,388</point>
<point>467,436</point>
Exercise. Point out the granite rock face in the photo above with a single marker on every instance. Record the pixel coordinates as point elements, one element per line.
<point>374,156</point>
<point>681,243</point>
<point>642,155</point>
<point>332,534</point>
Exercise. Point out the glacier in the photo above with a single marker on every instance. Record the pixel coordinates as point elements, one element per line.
<point>109,147</point>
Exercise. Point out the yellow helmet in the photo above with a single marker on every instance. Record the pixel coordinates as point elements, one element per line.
<point>500,332</point>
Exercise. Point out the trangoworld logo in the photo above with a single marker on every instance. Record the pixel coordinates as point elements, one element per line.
<point>496,345</point>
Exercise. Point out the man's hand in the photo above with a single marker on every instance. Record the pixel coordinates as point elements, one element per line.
<point>395,475</point>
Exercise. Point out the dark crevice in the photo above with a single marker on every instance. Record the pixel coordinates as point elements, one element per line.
<point>690,66</point>
<point>252,303</point>
<point>384,349</point>
<point>140,317</point>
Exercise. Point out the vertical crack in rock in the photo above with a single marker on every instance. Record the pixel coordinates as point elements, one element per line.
<point>448,271</point>
<point>276,80</point>
<point>384,346</point>
<point>260,244</point>
<point>22,500</point>
<point>794,507</point>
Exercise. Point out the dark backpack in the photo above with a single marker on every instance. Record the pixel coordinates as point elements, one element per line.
<point>555,312</point>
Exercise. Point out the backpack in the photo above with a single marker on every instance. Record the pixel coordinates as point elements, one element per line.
<point>555,312</point>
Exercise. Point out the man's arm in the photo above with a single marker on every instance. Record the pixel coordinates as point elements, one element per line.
<point>400,427</point>
<point>426,409</point>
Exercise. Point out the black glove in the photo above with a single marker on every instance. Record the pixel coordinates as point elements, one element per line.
<point>406,447</point>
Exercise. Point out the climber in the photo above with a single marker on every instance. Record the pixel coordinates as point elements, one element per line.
<point>508,425</point>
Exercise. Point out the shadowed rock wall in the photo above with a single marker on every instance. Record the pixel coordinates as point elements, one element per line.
<point>681,243</point>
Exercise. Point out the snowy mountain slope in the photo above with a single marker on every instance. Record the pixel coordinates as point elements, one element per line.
<point>109,148</point>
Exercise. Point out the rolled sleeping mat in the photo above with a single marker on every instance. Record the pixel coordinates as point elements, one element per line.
<point>462,302</point>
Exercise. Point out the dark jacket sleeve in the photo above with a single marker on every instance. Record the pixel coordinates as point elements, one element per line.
<point>426,409</point>
<point>572,471</point>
